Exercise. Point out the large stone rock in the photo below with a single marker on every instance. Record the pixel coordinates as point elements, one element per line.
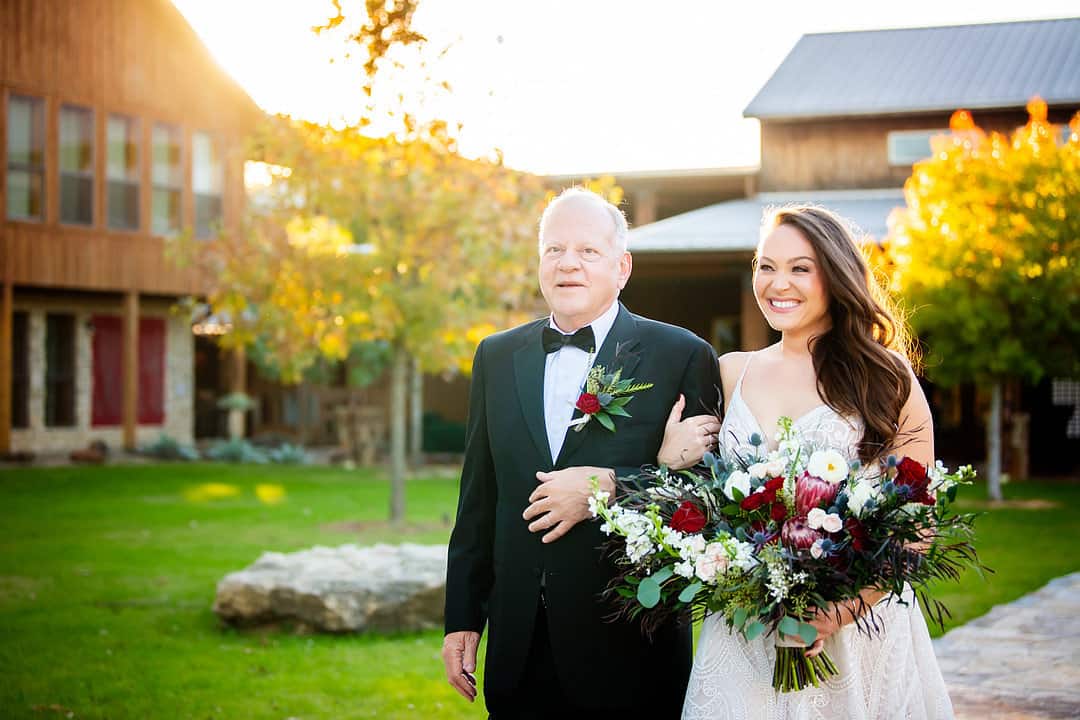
<point>385,588</point>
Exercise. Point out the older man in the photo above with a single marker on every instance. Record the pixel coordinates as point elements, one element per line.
<point>521,560</point>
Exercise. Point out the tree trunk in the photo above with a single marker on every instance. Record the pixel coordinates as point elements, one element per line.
<point>993,444</point>
<point>399,380</point>
<point>416,414</point>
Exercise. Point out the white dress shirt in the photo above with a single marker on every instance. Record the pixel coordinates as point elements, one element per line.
<point>564,376</point>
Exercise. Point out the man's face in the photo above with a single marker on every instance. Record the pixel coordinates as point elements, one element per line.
<point>581,268</point>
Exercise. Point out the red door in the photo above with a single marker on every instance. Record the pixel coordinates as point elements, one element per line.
<point>108,364</point>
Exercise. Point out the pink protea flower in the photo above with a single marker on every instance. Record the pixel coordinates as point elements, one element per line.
<point>797,534</point>
<point>812,492</point>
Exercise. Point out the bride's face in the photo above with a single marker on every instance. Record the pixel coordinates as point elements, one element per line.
<point>788,283</point>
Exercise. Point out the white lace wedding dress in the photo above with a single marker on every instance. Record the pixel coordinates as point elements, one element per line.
<point>892,675</point>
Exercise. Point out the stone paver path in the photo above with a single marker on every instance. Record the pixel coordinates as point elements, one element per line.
<point>1020,661</point>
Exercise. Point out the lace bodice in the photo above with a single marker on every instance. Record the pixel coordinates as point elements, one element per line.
<point>821,426</point>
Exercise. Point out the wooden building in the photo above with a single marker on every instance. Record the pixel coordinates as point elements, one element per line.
<point>843,119</point>
<point>119,130</point>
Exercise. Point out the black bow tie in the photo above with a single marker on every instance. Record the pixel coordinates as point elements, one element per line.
<point>555,340</point>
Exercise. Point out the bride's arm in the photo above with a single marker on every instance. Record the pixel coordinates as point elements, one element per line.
<point>915,434</point>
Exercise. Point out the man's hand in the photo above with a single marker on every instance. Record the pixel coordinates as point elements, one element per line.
<point>459,657</point>
<point>686,441</point>
<point>562,499</point>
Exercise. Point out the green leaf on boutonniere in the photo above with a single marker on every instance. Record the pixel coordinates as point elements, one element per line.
<point>619,401</point>
<point>606,421</point>
<point>617,410</point>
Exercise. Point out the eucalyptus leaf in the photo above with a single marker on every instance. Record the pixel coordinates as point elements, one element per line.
<point>738,618</point>
<point>689,592</point>
<point>752,630</point>
<point>662,574</point>
<point>808,633</point>
<point>789,625</point>
<point>648,593</point>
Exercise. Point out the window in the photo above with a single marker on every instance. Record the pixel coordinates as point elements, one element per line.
<point>25,158</point>
<point>206,182</point>
<point>59,370</point>
<point>122,172</point>
<point>907,147</point>
<point>76,165</point>
<point>167,176</point>
<point>20,371</point>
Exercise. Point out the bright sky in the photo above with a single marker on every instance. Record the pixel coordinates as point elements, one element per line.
<point>571,86</point>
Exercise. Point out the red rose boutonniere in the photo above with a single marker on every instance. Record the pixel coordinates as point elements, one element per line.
<point>604,397</point>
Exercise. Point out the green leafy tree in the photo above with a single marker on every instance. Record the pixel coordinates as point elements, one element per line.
<point>987,257</point>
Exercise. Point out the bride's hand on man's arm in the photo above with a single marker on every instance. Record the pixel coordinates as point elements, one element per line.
<point>686,441</point>
<point>836,615</point>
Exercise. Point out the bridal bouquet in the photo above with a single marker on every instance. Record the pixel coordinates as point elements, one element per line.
<point>766,538</point>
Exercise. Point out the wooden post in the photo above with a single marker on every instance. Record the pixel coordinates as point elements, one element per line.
<point>131,367</point>
<point>645,202</point>
<point>754,332</point>
<point>6,314</point>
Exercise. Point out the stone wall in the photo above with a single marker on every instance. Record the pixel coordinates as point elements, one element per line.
<point>179,384</point>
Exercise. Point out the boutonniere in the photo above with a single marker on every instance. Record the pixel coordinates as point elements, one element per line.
<point>604,397</point>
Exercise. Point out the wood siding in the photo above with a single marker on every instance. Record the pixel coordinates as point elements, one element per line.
<point>852,153</point>
<point>135,58</point>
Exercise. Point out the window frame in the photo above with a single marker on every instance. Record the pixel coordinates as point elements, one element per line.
<point>40,170</point>
<point>216,154</point>
<point>20,370</point>
<point>90,174</point>
<point>134,124</point>
<point>893,135</point>
<point>175,132</point>
<point>54,379</point>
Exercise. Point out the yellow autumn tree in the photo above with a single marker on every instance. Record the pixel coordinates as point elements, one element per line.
<point>362,239</point>
<point>987,256</point>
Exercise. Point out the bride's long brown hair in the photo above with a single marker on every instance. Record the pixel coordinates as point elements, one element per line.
<point>859,359</point>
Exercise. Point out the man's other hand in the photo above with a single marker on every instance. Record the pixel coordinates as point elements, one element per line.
<point>459,657</point>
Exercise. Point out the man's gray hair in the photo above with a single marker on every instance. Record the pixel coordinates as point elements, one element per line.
<point>621,227</point>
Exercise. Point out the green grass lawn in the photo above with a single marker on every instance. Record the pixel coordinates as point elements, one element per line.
<point>107,576</point>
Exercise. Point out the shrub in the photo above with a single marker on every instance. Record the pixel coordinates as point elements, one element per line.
<point>237,450</point>
<point>167,448</point>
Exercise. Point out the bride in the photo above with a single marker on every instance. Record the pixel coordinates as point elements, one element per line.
<point>839,373</point>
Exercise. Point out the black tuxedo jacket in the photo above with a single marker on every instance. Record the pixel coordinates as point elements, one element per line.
<point>495,563</point>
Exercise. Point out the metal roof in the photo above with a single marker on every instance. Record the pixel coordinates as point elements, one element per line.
<point>878,72</point>
<point>733,226</point>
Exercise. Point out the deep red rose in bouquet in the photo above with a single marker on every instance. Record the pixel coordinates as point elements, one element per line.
<point>767,496</point>
<point>912,474</point>
<point>688,518</point>
<point>855,529</point>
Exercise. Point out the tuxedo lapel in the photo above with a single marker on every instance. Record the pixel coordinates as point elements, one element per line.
<point>616,352</point>
<point>529,365</point>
